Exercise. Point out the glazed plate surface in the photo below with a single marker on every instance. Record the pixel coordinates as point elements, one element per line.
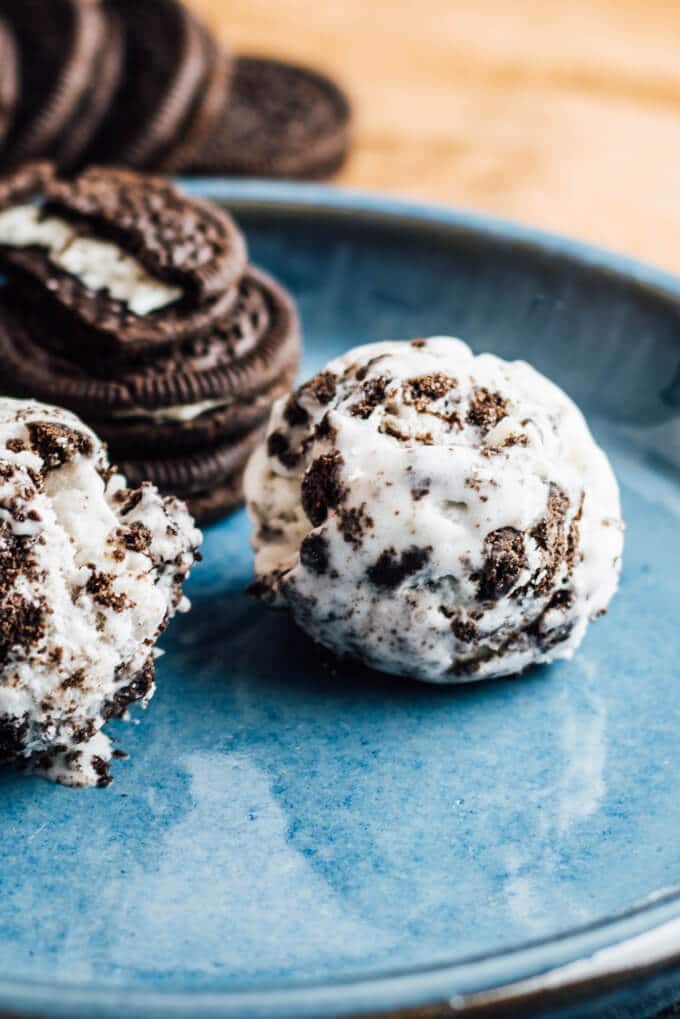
<point>291,837</point>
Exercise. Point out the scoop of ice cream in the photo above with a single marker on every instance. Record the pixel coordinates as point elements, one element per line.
<point>435,514</point>
<point>90,574</point>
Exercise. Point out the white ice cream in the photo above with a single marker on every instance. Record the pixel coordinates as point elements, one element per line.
<point>435,514</point>
<point>90,572</point>
<point>99,265</point>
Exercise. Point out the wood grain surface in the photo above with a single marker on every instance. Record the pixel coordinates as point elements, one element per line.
<point>564,115</point>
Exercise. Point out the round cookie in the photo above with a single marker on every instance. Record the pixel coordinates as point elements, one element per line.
<point>185,248</point>
<point>204,114</point>
<point>186,474</point>
<point>245,353</point>
<point>96,101</point>
<point>8,79</point>
<point>211,483</point>
<point>58,42</point>
<point>178,239</point>
<point>128,435</point>
<point>29,369</point>
<point>280,121</point>
<point>164,67</point>
<point>249,355</point>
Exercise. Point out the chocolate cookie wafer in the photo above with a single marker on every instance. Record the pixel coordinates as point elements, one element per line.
<point>195,458</point>
<point>194,473</point>
<point>221,384</point>
<point>8,80</point>
<point>157,433</point>
<point>96,100</point>
<point>280,121</point>
<point>244,354</point>
<point>201,457</point>
<point>164,70</point>
<point>127,256</point>
<point>204,115</point>
<point>184,414</point>
<point>58,43</point>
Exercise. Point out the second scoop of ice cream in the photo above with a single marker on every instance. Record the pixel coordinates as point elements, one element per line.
<point>435,514</point>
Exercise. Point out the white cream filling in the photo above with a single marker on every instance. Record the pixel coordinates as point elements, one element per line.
<point>99,265</point>
<point>178,412</point>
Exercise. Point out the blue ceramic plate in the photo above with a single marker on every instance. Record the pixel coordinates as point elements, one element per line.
<point>289,840</point>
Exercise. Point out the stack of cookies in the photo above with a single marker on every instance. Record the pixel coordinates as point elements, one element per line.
<point>134,306</point>
<point>145,85</point>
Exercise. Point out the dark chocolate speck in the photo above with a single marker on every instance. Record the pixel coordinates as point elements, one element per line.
<point>391,570</point>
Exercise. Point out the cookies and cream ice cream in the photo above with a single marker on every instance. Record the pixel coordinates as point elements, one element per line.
<point>90,574</point>
<point>436,514</point>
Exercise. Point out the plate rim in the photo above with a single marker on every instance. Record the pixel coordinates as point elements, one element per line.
<point>527,976</point>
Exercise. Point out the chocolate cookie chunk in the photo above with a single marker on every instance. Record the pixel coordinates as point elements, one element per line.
<point>280,121</point>
<point>164,68</point>
<point>175,272</point>
<point>58,43</point>
<point>8,80</point>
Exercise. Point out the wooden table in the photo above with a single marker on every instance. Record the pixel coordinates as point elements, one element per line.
<point>565,115</point>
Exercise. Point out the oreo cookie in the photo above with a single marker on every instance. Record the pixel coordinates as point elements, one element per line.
<point>129,435</point>
<point>280,120</point>
<point>199,458</point>
<point>96,100</point>
<point>193,473</point>
<point>8,80</point>
<point>247,354</point>
<point>221,385</point>
<point>184,256</point>
<point>205,112</point>
<point>58,43</point>
<point>185,414</point>
<point>164,70</point>
<point>211,486</point>
<point>178,239</point>
<point>147,86</point>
